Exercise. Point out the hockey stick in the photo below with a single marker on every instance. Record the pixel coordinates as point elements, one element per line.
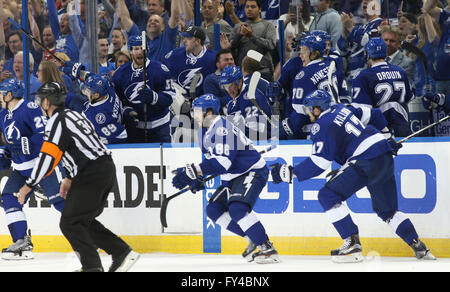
<point>144,47</point>
<point>423,129</point>
<point>251,95</point>
<point>165,201</point>
<point>17,26</point>
<point>331,69</point>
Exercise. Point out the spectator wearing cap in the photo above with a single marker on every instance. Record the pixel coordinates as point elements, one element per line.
<point>194,58</point>
<point>209,12</point>
<point>391,36</point>
<point>254,34</point>
<point>161,37</point>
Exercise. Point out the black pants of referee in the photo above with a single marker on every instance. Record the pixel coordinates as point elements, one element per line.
<point>84,202</point>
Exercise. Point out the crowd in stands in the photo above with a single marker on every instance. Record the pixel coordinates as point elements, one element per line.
<point>245,25</point>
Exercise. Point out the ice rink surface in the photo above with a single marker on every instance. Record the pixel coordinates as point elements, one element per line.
<point>166,262</point>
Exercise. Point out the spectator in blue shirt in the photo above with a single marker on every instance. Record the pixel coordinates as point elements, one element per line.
<point>162,38</point>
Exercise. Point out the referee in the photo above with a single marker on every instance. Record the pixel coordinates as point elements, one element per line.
<point>91,173</point>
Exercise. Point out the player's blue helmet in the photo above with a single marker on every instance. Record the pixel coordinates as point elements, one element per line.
<point>314,43</point>
<point>319,98</point>
<point>321,33</point>
<point>13,85</point>
<point>134,41</point>
<point>230,74</point>
<point>376,48</point>
<point>207,101</point>
<point>97,83</point>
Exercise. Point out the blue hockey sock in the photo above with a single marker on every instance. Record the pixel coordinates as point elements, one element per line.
<point>340,218</point>
<point>59,206</point>
<point>403,227</point>
<point>248,222</point>
<point>17,225</point>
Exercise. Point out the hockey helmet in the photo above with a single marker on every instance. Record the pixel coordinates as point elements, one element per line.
<point>207,101</point>
<point>134,41</point>
<point>314,43</point>
<point>13,85</point>
<point>321,33</point>
<point>230,74</point>
<point>53,91</point>
<point>319,98</point>
<point>376,48</point>
<point>96,83</point>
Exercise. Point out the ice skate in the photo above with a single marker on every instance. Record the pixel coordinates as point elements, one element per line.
<point>421,251</point>
<point>267,254</point>
<point>22,249</point>
<point>124,261</point>
<point>249,250</point>
<point>349,252</point>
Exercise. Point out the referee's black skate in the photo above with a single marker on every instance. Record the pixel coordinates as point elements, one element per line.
<point>249,250</point>
<point>124,261</point>
<point>267,254</point>
<point>349,252</point>
<point>421,251</point>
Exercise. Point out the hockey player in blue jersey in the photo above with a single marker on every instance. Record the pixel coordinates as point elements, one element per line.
<point>313,76</point>
<point>384,86</point>
<point>332,55</point>
<point>366,159</point>
<point>151,103</point>
<point>22,126</point>
<point>194,58</point>
<point>244,173</point>
<point>242,111</point>
<point>104,109</point>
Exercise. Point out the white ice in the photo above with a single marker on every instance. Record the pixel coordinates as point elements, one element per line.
<point>166,262</point>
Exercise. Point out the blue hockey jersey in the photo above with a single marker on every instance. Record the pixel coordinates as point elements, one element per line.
<point>127,81</point>
<point>183,67</point>
<point>246,115</point>
<point>338,135</point>
<point>384,86</point>
<point>228,151</point>
<point>25,120</point>
<point>106,116</point>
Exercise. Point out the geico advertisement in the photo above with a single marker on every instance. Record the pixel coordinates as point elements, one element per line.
<point>421,170</point>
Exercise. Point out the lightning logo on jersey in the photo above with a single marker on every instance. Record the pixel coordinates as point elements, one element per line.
<point>185,78</point>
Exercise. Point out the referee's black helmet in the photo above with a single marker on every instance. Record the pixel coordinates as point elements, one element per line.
<point>55,92</point>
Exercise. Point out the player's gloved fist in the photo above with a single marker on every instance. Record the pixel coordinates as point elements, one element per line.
<point>281,173</point>
<point>273,90</point>
<point>73,69</point>
<point>147,95</point>
<point>129,116</point>
<point>394,145</point>
<point>432,100</point>
<point>186,176</point>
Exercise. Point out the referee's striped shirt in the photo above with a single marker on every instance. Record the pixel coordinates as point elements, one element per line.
<point>69,136</point>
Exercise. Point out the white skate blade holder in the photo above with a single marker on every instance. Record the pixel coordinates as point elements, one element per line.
<point>349,258</point>
<point>17,256</point>
<point>273,259</point>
